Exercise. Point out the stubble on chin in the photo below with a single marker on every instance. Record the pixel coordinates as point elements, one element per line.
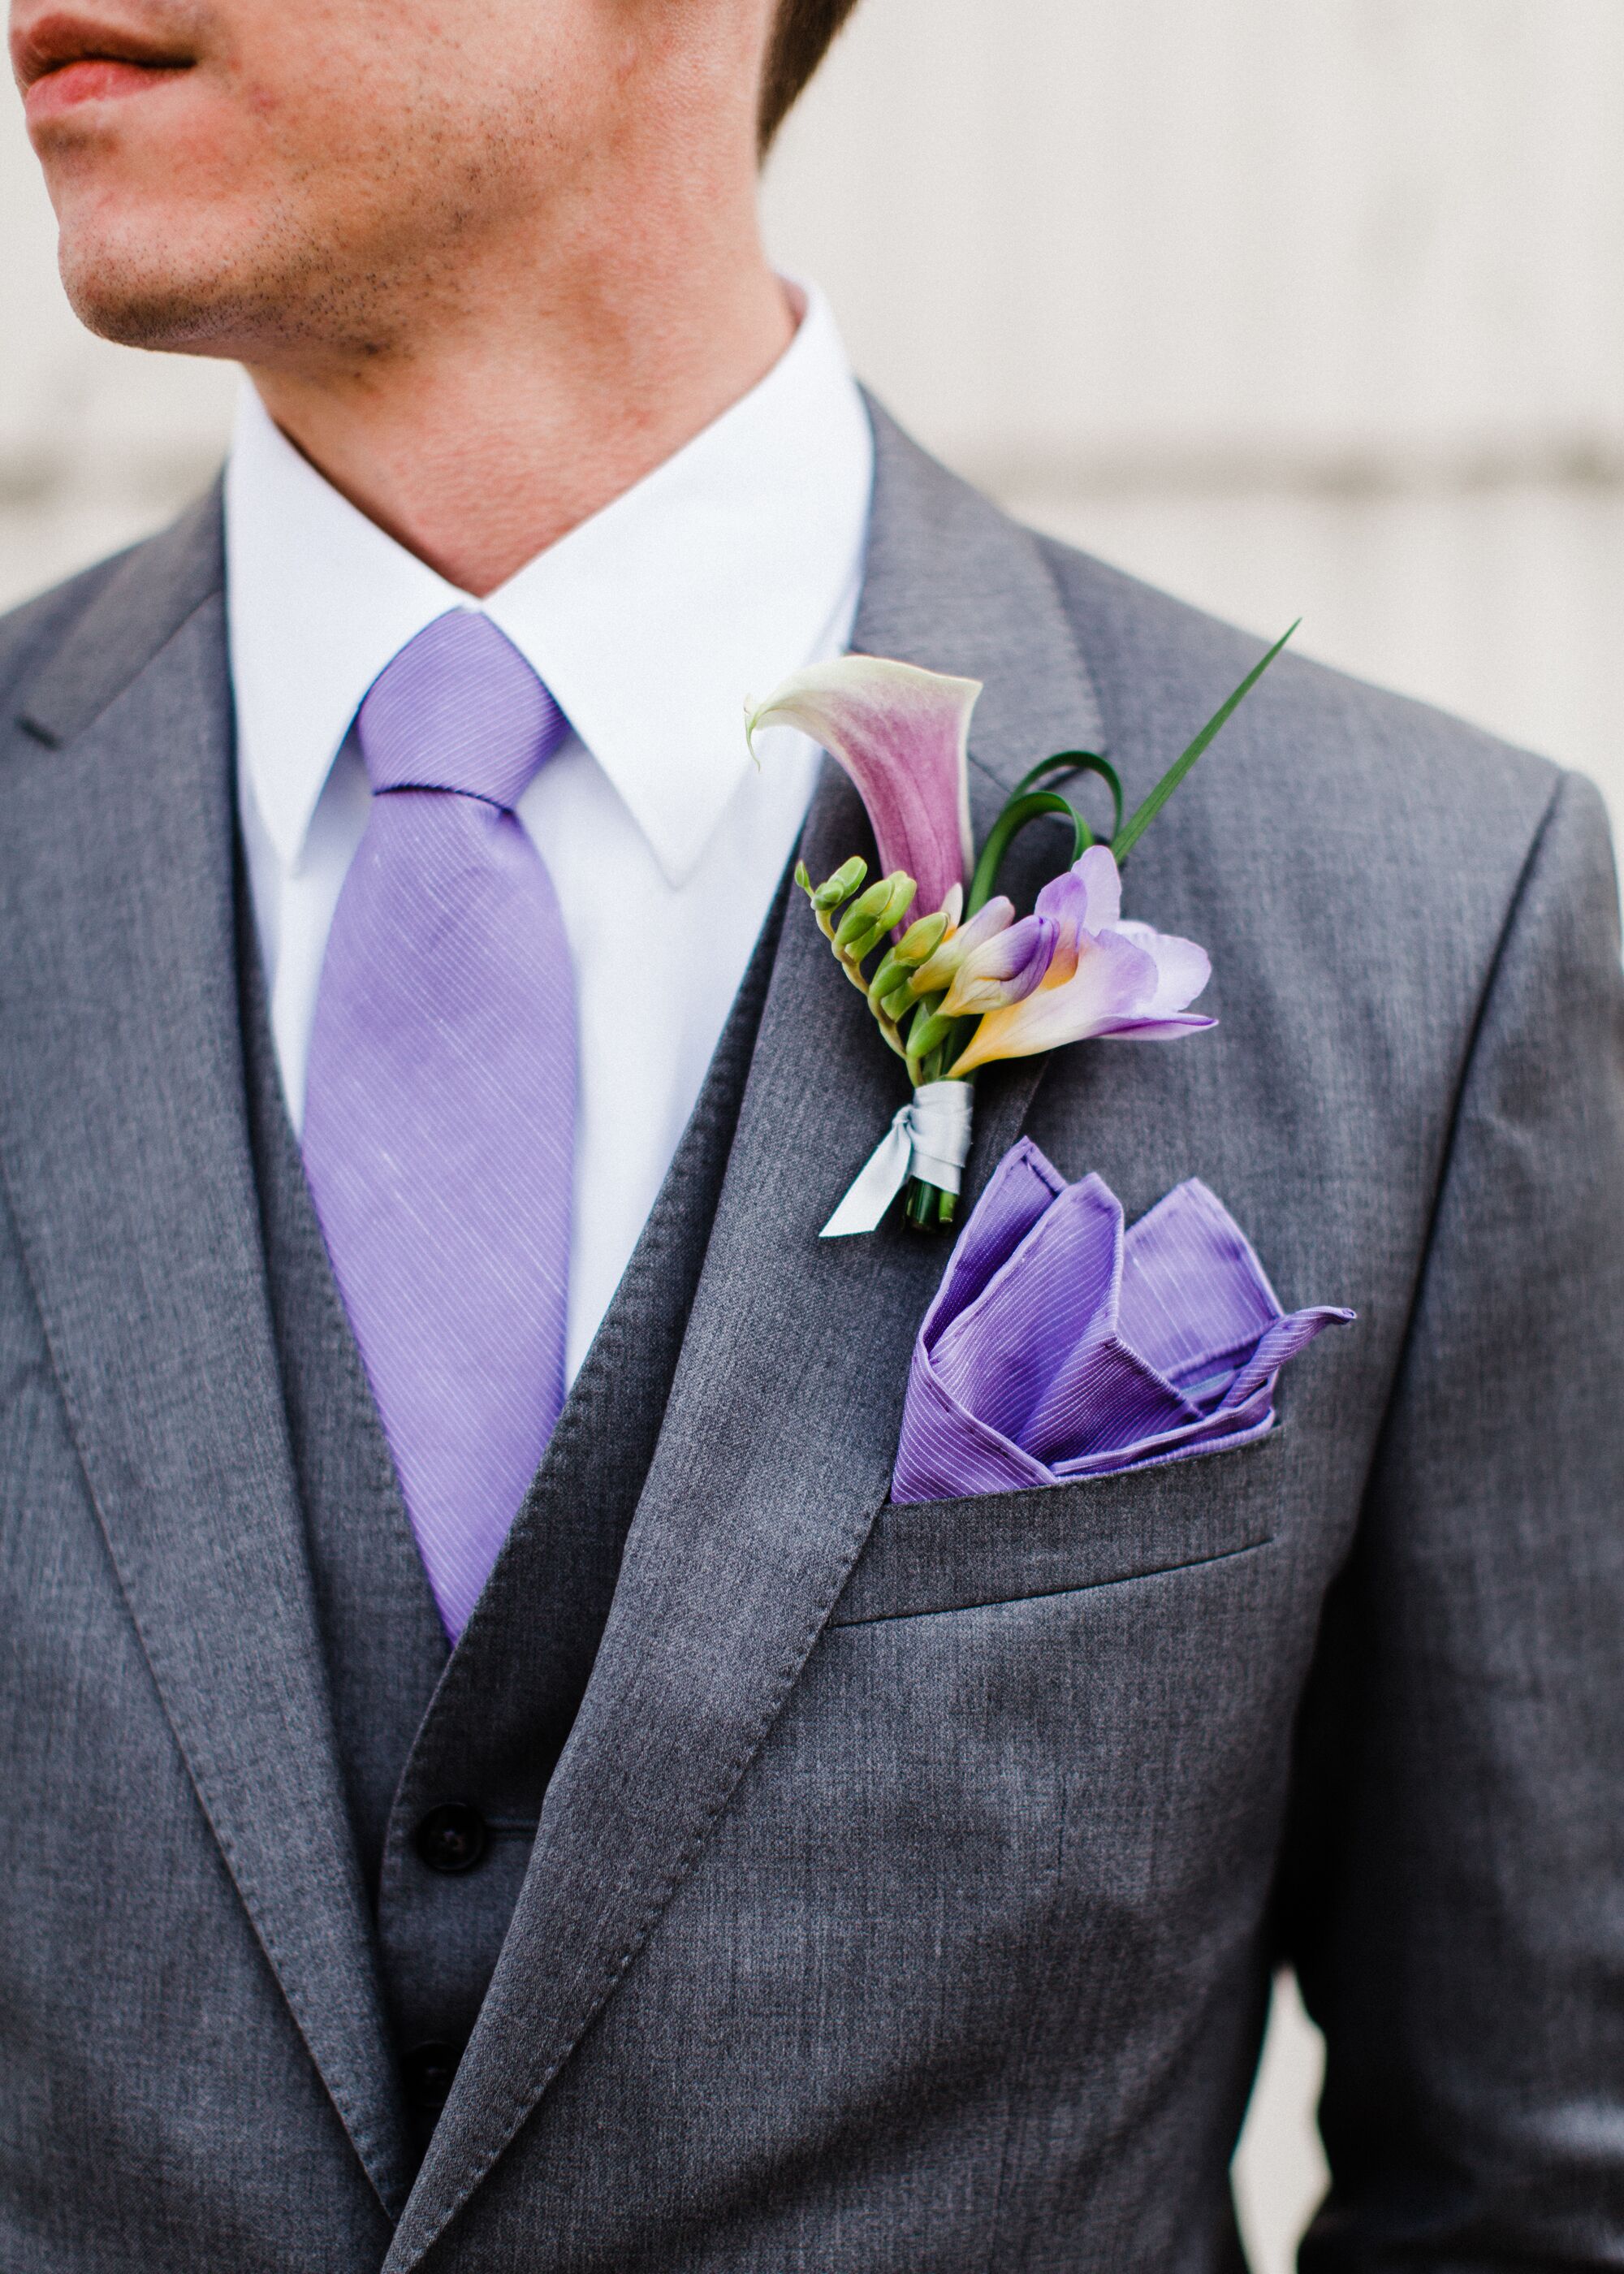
<point>270,294</point>
<point>270,253</point>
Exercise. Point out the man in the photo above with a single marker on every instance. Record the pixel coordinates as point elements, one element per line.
<point>410,1079</point>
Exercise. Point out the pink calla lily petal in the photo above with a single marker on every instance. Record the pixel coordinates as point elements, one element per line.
<point>901,735</point>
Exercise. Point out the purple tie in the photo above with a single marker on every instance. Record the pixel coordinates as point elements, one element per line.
<point>439,1110</point>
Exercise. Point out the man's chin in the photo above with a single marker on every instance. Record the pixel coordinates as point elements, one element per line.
<point>180,308</point>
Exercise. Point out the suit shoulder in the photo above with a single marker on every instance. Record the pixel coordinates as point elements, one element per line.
<point>65,655</point>
<point>32,631</point>
<point>1150,651</point>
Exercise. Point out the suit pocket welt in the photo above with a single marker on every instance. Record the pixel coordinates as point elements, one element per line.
<point>1002,1548</point>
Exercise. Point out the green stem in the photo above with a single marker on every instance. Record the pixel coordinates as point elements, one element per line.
<point>926,1207</point>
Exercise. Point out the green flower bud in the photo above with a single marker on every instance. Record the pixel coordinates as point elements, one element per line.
<point>921,940</point>
<point>879,906</point>
<point>902,890</point>
<point>928,1033</point>
<point>863,913</point>
<point>841,885</point>
<point>897,1000</point>
<point>886,975</point>
<point>867,920</point>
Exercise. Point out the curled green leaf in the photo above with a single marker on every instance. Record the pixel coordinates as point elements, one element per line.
<point>1075,762</point>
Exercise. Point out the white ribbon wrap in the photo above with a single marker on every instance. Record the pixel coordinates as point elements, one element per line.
<point>930,1138</point>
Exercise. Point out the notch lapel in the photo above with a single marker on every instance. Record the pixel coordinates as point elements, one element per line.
<point>124,1144</point>
<point>776,1446</point>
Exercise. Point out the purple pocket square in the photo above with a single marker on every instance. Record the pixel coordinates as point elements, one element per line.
<point>1060,1345</point>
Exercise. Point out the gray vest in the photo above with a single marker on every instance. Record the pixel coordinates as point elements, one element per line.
<point>446,1755</point>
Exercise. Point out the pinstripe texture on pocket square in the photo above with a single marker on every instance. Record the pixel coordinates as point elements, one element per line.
<point>1062,1344</point>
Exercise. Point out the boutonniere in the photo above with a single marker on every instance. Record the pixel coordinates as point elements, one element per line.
<point>970,982</point>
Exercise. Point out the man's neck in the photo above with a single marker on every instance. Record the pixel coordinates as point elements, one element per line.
<point>486,436</point>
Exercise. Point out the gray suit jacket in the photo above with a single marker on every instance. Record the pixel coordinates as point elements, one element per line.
<point>907,1892</point>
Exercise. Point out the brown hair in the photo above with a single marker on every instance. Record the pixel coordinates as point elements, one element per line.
<point>800,41</point>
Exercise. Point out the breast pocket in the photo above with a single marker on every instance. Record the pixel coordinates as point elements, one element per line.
<point>1002,1548</point>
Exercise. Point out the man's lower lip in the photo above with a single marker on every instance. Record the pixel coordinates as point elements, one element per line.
<point>98,79</point>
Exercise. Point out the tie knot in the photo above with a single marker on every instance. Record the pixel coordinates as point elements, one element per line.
<point>458,709</point>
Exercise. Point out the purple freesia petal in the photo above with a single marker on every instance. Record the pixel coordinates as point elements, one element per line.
<point>1088,895</point>
<point>902,735</point>
<point>1064,901</point>
<point>1153,1030</point>
<point>1004,969</point>
<point>1113,980</point>
<point>1105,978</point>
<point>1183,970</point>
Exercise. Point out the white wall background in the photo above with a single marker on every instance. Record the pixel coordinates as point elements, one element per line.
<point>1296,306</point>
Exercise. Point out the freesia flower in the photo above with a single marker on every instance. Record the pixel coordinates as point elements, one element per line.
<point>1004,969</point>
<point>902,735</point>
<point>939,969</point>
<point>1104,977</point>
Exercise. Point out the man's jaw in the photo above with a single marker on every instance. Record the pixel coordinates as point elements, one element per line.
<point>68,57</point>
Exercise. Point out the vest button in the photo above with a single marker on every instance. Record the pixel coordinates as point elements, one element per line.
<point>428,2070</point>
<point>452,1837</point>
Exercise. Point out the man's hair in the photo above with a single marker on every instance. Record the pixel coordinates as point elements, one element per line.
<point>800,38</point>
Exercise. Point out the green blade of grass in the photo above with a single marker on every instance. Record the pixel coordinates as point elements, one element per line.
<point>1127,838</point>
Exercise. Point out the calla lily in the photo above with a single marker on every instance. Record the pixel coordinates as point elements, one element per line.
<point>902,735</point>
<point>1003,970</point>
<point>1104,977</point>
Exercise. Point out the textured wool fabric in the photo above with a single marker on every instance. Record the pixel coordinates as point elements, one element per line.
<point>1062,1346</point>
<point>439,1103</point>
<point>909,1886</point>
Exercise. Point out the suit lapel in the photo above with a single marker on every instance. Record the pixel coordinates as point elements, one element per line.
<point>125,1153</point>
<point>777,1445</point>
<point>953,585</point>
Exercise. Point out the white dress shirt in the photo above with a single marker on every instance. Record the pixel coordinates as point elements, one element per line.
<point>734,563</point>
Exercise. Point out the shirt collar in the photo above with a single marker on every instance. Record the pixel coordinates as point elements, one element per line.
<point>735,562</point>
